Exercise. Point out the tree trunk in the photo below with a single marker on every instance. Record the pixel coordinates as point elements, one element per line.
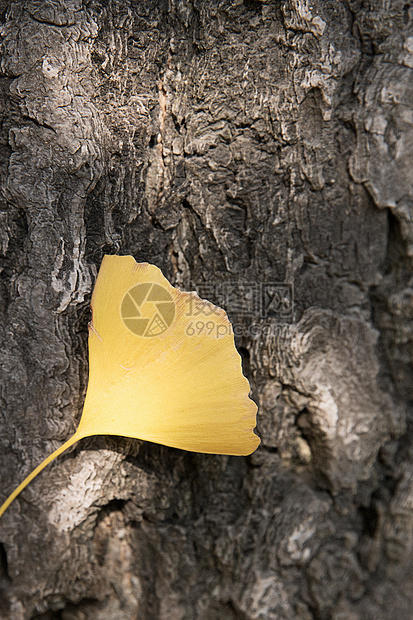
<point>261,152</point>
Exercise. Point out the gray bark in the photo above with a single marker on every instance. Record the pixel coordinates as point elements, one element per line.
<point>235,142</point>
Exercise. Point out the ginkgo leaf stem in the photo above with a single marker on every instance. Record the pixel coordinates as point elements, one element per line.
<point>38,469</point>
<point>153,376</point>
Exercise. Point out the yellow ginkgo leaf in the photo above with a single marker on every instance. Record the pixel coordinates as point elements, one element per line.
<point>163,367</point>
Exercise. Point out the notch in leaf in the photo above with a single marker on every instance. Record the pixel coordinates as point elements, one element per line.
<point>163,367</point>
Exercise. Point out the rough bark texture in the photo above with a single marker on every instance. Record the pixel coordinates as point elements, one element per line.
<point>226,141</point>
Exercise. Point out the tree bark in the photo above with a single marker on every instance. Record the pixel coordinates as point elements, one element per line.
<point>259,151</point>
